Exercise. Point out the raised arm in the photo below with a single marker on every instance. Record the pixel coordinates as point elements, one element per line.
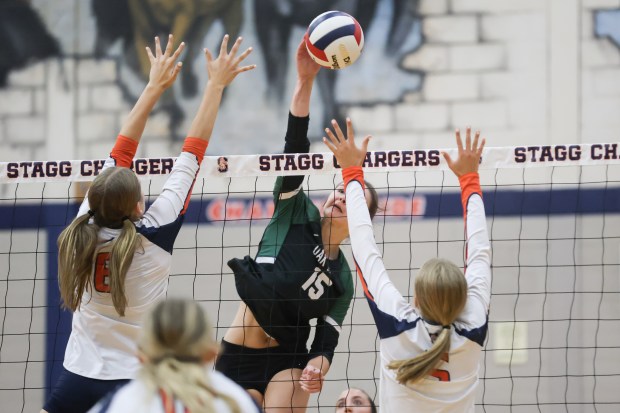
<point>164,71</point>
<point>478,260</point>
<point>391,311</point>
<point>296,139</point>
<point>171,205</point>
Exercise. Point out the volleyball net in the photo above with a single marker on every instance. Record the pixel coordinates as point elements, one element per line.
<point>554,224</point>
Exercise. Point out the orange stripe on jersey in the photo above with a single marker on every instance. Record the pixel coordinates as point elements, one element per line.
<point>124,150</point>
<point>197,147</point>
<point>353,173</point>
<point>363,281</point>
<point>166,401</point>
<point>470,184</point>
<point>189,196</point>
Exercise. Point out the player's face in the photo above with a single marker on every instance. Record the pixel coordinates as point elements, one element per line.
<point>335,206</point>
<point>353,401</point>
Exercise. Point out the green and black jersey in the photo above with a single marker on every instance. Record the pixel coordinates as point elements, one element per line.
<point>291,281</point>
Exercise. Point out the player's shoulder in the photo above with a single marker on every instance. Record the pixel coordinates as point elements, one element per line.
<point>125,398</point>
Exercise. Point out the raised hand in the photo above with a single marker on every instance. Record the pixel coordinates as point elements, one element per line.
<point>343,148</point>
<point>306,67</point>
<point>469,155</point>
<point>223,70</point>
<point>164,66</point>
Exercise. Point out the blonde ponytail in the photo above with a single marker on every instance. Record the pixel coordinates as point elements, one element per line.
<point>186,381</point>
<point>441,294</point>
<point>176,340</point>
<point>412,370</point>
<point>76,247</point>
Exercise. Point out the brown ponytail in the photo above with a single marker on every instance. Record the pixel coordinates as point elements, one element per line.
<point>113,198</point>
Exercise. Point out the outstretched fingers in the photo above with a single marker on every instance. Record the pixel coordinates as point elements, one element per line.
<point>459,141</point>
<point>149,53</point>
<point>481,148</point>
<point>224,46</point>
<point>338,131</point>
<point>158,52</point>
<point>178,52</point>
<point>235,47</point>
<point>168,50</point>
<point>243,55</point>
<point>350,134</point>
<point>208,55</point>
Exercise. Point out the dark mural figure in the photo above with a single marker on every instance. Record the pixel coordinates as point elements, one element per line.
<point>135,22</point>
<point>284,15</point>
<point>24,39</point>
<point>607,24</point>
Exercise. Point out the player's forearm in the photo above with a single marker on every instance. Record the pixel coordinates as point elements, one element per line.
<point>321,363</point>
<point>134,124</point>
<point>300,104</point>
<point>203,123</point>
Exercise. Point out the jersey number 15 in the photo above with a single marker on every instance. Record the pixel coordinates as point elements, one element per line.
<point>314,284</point>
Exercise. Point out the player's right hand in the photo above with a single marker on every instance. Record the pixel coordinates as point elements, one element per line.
<point>469,155</point>
<point>223,70</point>
<point>164,66</point>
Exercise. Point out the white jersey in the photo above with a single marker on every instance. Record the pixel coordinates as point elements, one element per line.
<point>102,344</point>
<point>404,334</point>
<point>135,397</point>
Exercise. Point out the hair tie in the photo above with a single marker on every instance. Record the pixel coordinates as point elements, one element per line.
<point>124,218</point>
<point>91,212</point>
<point>182,359</point>
<point>447,327</point>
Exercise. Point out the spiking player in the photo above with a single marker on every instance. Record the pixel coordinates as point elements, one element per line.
<point>114,258</point>
<point>430,351</point>
<point>299,274</point>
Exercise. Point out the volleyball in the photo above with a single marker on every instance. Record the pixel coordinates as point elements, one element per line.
<point>334,39</point>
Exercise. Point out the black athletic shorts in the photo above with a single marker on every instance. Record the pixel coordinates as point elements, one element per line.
<point>73,393</point>
<point>253,368</point>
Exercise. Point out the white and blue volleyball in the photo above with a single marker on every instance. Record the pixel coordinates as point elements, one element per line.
<point>334,39</point>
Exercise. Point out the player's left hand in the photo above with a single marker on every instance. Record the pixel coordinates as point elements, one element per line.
<point>164,65</point>
<point>311,380</point>
<point>343,148</point>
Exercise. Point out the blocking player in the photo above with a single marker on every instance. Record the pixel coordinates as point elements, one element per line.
<point>430,349</point>
<point>115,257</point>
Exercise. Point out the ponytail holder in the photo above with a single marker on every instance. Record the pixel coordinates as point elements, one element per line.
<point>124,218</point>
<point>446,327</point>
<point>91,212</point>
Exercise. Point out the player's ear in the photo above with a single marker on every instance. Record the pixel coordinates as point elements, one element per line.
<point>139,210</point>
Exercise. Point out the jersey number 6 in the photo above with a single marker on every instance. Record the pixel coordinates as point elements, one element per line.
<point>102,272</point>
<point>314,285</point>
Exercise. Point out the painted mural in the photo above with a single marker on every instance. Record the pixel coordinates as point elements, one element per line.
<point>252,117</point>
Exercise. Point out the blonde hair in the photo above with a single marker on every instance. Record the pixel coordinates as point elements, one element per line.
<point>112,197</point>
<point>441,294</point>
<point>175,340</point>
